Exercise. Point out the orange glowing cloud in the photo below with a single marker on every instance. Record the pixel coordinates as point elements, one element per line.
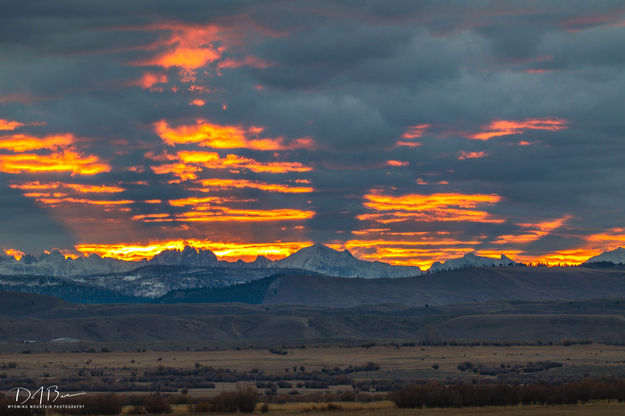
<point>611,238</point>
<point>397,163</point>
<point>193,47</point>
<point>212,209</point>
<point>186,46</point>
<point>411,133</point>
<point>16,254</point>
<point>563,257</point>
<point>507,127</point>
<point>414,132</point>
<point>409,248</point>
<point>229,251</point>
<point>149,80</point>
<point>408,144</point>
<point>191,162</point>
<point>62,161</point>
<point>212,184</point>
<point>80,188</point>
<point>219,214</point>
<point>408,253</point>
<point>61,156</point>
<point>96,189</point>
<point>82,201</point>
<point>207,134</point>
<point>537,231</point>
<point>196,201</point>
<point>23,143</point>
<point>203,133</point>
<point>9,125</point>
<point>198,103</point>
<point>594,245</point>
<point>203,212</point>
<point>429,208</point>
<point>471,155</point>
<point>251,61</point>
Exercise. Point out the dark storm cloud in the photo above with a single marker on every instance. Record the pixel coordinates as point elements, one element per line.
<point>24,226</point>
<point>351,76</point>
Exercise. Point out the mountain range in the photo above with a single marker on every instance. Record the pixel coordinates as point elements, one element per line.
<point>317,258</point>
<point>95,279</point>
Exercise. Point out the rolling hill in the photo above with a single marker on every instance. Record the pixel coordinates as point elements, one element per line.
<point>456,286</point>
<point>44,319</point>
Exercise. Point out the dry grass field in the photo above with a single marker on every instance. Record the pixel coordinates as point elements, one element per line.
<point>403,362</point>
<point>386,408</point>
<point>394,362</point>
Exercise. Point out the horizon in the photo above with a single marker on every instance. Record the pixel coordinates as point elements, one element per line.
<point>226,255</point>
<point>406,133</point>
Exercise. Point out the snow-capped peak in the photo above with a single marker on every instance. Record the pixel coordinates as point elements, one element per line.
<point>615,256</point>
<point>323,259</point>
<point>261,262</point>
<point>54,263</point>
<point>189,256</point>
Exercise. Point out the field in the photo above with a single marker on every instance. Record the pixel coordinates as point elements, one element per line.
<point>388,409</point>
<point>591,409</point>
<point>395,362</point>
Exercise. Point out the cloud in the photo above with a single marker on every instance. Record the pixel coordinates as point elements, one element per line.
<point>207,134</point>
<point>61,161</point>
<point>211,184</point>
<point>508,127</point>
<point>9,125</point>
<point>535,231</point>
<point>224,251</point>
<point>98,96</point>
<point>428,208</point>
<point>463,155</point>
<point>192,162</point>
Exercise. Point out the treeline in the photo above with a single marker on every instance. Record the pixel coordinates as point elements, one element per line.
<point>170,379</point>
<point>435,394</point>
<point>499,343</point>
<point>243,399</point>
<point>502,369</point>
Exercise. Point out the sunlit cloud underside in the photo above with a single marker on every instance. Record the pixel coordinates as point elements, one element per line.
<point>260,129</point>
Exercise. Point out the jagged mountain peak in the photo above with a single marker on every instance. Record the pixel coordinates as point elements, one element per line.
<point>326,260</point>
<point>320,249</point>
<point>52,255</point>
<point>616,256</point>
<point>188,256</point>
<point>261,262</point>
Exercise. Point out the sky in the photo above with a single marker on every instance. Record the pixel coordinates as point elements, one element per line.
<point>405,131</point>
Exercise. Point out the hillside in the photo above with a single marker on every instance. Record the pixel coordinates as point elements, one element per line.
<point>43,318</point>
<point>456,286</point>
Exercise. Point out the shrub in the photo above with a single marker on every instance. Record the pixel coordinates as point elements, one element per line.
<point>243,399</point>
<point>157,404</point>
<point>435,394</point>
<point>136,410</point>
<point>203,407</point>
<point>100,404</point>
